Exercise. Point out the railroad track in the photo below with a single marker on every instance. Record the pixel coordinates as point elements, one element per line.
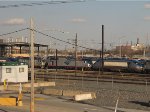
<point>128,78</point>
<point>93,73</point>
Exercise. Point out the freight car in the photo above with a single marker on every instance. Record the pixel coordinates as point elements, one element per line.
<point>118,64</point>
<point>67,63</point>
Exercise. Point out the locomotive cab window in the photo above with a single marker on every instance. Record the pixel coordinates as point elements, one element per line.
<point>8,70</point>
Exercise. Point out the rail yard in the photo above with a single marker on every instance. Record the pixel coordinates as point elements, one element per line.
<point>131,88</point>
<point>119,77</point>
<point>63,59</point>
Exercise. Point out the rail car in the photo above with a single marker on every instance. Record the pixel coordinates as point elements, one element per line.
<point>136,66</point>
<point>117,64</point>
<point>147,66</point>
<point>37,61</point>
<point>67,63</point>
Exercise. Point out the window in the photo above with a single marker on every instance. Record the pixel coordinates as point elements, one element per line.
<point>21,69</point>
<point>8,70</point>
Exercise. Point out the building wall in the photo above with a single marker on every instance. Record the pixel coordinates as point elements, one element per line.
<point>22,73</point>
<point>14,73</point>
<point>137,47</point>
<point>125,50</point>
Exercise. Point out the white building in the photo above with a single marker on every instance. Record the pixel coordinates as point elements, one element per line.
<point>13,72</point>
<point>137,47</point>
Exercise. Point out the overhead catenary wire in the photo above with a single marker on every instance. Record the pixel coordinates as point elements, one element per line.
<point>13,32</point>
<point>37,3</point>
<point>43,3</point>
<point>16,31</point>
<point>61,40</point>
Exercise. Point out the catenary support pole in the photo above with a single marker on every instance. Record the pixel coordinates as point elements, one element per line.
<point>56,59</point>
<point>102,48</point>
<point>32,65</point>
<point>76,55</point>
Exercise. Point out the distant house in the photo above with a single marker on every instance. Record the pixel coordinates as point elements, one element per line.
<point>13,72</point>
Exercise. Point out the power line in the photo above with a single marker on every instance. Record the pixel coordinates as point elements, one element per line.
<point>46,36</point>
<point>37,3</point>
<point>61,40</point>
<point>13,32</point>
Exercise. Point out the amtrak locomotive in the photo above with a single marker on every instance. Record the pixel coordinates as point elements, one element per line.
<point>118,64</point>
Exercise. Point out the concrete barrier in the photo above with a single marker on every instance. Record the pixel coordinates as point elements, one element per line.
<point>8,101</point>
<point>52,92</point>
<point>35,84</point>
<point>71,93</point>
<point>16,88</point>
<point>13,88</point>
<point>46,84</point>
<point>81,97</point>
<point>92,93</point>
<point>29,85</point>
<point>25,87</point>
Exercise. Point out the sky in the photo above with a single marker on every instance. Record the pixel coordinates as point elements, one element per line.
<point>124,22</point>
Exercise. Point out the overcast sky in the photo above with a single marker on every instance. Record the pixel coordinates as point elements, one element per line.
<point>124,21</point>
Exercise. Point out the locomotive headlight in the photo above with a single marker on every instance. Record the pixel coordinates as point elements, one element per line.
<point>89,65</point>
<point>141,68</point>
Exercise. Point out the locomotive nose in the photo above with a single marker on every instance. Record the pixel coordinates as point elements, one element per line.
<point>139,69</point>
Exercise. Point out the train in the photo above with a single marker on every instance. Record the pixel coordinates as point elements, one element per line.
<point>147,66</point>
<point>110,64</point>
<point>86,63</point>
<point>68,63</point>
<point>37,61</point>
<point>119,64</point>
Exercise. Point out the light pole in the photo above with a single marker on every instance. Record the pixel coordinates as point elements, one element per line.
<point>76,55</point>
<point>102,48</point>
<point>144,52</point>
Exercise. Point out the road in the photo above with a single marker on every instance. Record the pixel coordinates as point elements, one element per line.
<point>44,103</point>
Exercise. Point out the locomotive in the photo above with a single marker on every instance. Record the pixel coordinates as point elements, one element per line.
<point>110,64</point>
<point>67,63</point>
<point>118,64</point>
<point>37,61</point>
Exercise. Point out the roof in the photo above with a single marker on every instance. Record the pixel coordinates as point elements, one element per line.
<point>22,44</point>
<point>11,63</point>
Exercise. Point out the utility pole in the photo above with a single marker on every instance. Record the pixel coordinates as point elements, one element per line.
<point>32,65</point>
<point>102,48</point>
<point>56,59</point>
<point>100,64</point>
<point>76,55</point>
